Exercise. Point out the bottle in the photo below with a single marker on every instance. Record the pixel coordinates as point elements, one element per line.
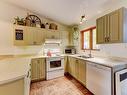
<point>49,53</point>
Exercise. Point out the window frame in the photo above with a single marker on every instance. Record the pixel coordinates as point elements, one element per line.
<point>91,38</point>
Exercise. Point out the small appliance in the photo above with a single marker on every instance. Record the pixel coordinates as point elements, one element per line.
<point>70,50</point>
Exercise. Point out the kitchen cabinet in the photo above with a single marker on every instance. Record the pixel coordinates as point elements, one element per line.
<point>111,28</point>
<point>35,36</point>
<point>71,66</point>
<point>24,35</point>
<point>82,71</point>
<point>65,64</point>
<point>20,35</point>
<point>102,29</point>
<point>52,34</point>
<point>13,88</point>
<point>77,68</point>
<point>38,69</point>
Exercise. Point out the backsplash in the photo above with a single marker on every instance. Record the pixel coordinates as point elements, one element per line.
<point>106,50</point>
<point>6,30</point>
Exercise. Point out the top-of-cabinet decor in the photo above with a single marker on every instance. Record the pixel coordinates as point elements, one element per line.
<point>34,21</point>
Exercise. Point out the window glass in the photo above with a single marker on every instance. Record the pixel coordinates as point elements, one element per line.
<point>87,40</point>
<point>94,38</point>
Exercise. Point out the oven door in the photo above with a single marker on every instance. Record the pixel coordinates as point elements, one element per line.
<point>55,64</point>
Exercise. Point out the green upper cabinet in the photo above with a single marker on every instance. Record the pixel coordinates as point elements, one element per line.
<point>101,26</point>
<point>25,35</point>
<point>111,28</point>
<point>35,36</point>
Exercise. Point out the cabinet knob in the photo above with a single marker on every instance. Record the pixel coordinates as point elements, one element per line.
<point>107,39</point>
<point>76,61</point>
<point>34,43</point>
<point>28,75</point>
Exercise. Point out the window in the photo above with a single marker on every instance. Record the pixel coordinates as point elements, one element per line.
<point>89,38</point>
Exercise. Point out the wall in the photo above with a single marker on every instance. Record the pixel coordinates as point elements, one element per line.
<point>7,14</point>
<point>120,49</point>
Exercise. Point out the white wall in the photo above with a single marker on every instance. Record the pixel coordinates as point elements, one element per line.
<point>7,14</point>
<point>120,49</point>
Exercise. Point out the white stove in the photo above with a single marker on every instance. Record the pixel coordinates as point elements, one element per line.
<point>54,67</point>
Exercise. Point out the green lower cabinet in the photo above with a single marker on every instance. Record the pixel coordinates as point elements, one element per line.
<point>38,69</point>
<point>77,68</point>
<point>82,72</point>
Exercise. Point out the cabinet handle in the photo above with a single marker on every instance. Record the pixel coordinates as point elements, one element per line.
<point>38,61</point>
<point>28,75</point>
<point>34,43</point>
<point>105,39</point>
<point>76,61</point>
<point>108,39</point>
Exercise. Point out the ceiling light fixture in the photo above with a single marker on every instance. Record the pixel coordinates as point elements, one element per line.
<point>83,18</point>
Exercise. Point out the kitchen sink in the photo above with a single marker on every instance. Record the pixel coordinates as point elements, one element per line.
<point>83,56</point>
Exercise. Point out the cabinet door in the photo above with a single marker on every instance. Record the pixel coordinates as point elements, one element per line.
<point>38,69</point>
<point>101,29</point>
<point>35,36</point>
<point>70,65</point>
<point>73,63</point>
<point>20,35</point>
<point>34,68</point>
<point>77,69</point>
<point>42,69</point>
<point>50,34</point>
<point>82,72</point>
<point>114,23</point>
<point>39,36</point>
<point>30,35</point>
<point>65,64</point>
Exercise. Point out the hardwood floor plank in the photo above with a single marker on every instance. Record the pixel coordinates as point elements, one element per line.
<point>66,85</point>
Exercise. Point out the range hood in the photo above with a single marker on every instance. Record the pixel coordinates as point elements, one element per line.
<point>52,41</point>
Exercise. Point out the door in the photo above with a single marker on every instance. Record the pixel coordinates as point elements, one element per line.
<point>30,35</point>
<point>114,29</point>
<point>69,65</point>
<point>35,36</point>
<point>65,64</point>
<point>82,72</point>
<point>38,69</point>
<point>52,34</point>
<point>101,29</point>
<point>41,68</point>
<point>72,66</point>
<point>20,36</point>
<point>39,36</point>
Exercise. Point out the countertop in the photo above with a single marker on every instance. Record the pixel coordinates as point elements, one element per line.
<point>13,69</point>
<point>105,61</point>
<point>16,67</point>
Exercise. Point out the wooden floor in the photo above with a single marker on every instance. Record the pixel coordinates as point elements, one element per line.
<point>66,85</point>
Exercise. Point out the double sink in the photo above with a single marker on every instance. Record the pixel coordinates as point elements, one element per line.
<point>84,56</point>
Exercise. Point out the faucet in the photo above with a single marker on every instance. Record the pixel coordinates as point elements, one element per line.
<point>90,54</point>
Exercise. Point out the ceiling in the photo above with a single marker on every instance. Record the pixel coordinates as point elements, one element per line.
<point>64,11</point>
